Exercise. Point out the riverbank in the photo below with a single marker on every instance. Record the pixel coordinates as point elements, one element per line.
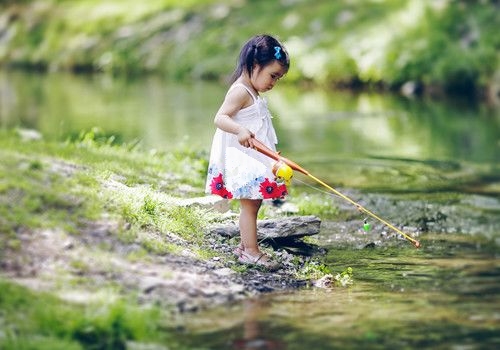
<point>91,231</point>
<point>90,221</point>
<point>87,224</point>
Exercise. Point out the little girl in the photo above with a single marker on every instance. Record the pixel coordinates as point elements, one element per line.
<point>236,170</point>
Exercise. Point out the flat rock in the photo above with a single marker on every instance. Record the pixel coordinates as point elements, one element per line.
<point>207,202</point>
<point>288,227</point>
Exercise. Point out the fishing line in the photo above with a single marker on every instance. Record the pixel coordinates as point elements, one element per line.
<point>366,211</point>
<point>314,188</point>
<point>366,224</point>
<point>282,169</point>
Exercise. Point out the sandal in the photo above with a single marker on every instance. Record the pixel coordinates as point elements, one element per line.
<point>262,260</point>
<point>237,251</point>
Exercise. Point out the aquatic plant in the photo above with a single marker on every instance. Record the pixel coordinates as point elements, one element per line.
<point>345,277</point>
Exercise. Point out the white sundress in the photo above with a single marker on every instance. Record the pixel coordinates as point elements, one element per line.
<point>239,172</point>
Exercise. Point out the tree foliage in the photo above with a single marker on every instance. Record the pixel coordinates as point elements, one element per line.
<point>450,45</point>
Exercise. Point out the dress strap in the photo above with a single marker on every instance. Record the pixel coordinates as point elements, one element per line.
<point>246,88</point>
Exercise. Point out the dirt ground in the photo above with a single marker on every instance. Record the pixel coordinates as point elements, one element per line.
<point>94,265</point>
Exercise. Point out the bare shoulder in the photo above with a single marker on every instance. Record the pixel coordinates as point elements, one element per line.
<point>239,91</point>
<point>237,98</point>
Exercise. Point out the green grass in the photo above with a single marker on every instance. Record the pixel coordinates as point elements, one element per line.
<point>67,185</point>
<point>319,204</point>
<point>37,196</point>
<point>31,320</point>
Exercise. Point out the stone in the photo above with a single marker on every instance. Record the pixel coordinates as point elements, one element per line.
<point>29,134</point>
<point>224,272</point>
<point>326,281</point>
<point>207,202</point>
<point>288,227</point>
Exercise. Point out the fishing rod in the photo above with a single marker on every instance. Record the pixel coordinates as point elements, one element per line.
<point>281,171</point>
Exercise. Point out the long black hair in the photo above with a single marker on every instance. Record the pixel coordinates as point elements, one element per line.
<point>261,50</point>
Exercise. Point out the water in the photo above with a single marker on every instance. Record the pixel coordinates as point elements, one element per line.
<point>160,114</point>
<point>313,125</point>
<point>426,162</point>
<point>402,298</point>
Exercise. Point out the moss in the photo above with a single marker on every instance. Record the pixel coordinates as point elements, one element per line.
<point>321,205</point>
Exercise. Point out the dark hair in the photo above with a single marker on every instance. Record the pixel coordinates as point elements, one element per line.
<point>261,50</point>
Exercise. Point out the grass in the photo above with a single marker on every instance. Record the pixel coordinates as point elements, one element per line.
<point>40,321</point>
<point>68,187</point>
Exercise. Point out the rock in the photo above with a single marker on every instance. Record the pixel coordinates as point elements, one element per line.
<point>216,202</point>
<point>288,208</point>
<point>296,226</point>
<point>149,283</point>
<point>224,272</point>
<point>29,134</point>
<point>326,281</point>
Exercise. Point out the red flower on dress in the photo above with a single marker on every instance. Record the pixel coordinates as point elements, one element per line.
<point>218,187</point>
<point>270,189</point>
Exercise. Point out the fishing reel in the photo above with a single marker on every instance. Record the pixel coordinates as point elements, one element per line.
<point>283,172</point>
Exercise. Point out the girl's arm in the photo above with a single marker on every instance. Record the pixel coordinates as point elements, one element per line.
<point>235,100</point>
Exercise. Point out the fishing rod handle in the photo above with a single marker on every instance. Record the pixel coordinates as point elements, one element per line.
<point>259,146</point>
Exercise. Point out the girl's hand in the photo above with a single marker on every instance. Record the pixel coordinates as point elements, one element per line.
<point>245,137</point>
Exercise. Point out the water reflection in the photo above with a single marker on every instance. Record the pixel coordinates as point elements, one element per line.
<point>159,113</point>
<point>366,141</point>
<point>254,310</point>
<point>442,296</point>
<point>320,123</point>
<point>312,125</point>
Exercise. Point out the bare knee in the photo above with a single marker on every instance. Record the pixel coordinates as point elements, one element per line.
<point>250,206</point>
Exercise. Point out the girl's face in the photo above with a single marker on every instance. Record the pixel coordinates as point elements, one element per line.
<point>264,78</point>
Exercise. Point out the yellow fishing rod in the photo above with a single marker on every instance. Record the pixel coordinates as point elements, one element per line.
<point>283,170</point>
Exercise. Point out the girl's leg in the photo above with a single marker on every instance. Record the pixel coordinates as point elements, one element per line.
<point>248,225</point>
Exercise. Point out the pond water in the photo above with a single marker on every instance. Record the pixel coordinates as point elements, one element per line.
<point>312,125</point>
<point>444,296</point>
<point>416,162</point>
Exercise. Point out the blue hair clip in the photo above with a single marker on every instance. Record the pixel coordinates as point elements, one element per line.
<point>277,53</point>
